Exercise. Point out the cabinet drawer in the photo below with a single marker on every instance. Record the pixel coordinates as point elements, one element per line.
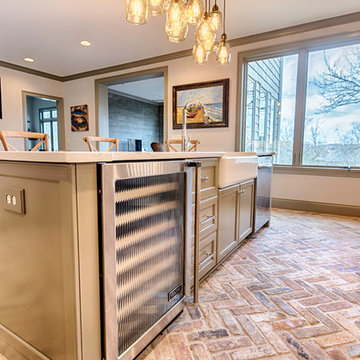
<point>207,216</point>
<point>207,255</point>
<point>207,248</point>
<point>208,179</point>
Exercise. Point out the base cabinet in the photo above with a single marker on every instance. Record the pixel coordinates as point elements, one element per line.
<point>228,221</point>
<point>49,263</point>
<point>207,218</point>
<point>236,216</point>
<point>246,209</point>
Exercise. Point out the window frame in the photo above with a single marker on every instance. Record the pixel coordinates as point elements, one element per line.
<point>302,49</point>
<point>50,120</point>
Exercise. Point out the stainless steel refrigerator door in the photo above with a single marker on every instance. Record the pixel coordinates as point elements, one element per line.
<point>145,250</point>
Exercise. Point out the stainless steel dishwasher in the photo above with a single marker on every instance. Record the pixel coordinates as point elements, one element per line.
<point>146,216</point>
<point>263,191</point>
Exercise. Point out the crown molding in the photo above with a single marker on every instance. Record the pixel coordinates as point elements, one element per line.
<point>30,71</point>
<point>273,34</point>
<point>130,65</point>
<point>297,29</point>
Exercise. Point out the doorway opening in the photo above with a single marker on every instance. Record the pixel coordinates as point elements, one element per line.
<point>43,114</point>
<point>131,109</point>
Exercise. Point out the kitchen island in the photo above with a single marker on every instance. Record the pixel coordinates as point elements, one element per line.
<point>53,303</point>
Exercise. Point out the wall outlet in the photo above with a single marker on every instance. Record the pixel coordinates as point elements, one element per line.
<point>13,199</point>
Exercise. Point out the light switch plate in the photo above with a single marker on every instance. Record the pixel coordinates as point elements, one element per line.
<point>13,199</point>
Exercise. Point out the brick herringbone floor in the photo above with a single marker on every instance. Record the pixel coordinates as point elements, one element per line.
<point>291,292</point>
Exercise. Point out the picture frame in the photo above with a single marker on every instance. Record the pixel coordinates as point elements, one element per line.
<point>213,95</point>
<point>79,118</point>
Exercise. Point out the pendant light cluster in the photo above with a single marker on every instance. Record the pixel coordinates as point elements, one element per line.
<point>178,16</point>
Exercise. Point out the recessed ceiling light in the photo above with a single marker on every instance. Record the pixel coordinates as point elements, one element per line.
<point>85,43</point>
<point>29,59</point>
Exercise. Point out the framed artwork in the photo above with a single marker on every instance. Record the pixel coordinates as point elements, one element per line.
<point>213,95</point>
<point>0,101</point>
<point>79,118</point>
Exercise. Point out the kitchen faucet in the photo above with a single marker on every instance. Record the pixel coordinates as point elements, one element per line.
<point>206,119</point>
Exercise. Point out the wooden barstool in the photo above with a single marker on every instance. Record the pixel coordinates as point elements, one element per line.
<point>170,143</point>
<point>93,139</point>
<point>4,134</point>
<point>157,147</point>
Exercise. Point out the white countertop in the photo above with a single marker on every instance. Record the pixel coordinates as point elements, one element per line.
<point>91,157</point>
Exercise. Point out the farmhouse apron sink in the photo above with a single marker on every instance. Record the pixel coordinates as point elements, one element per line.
<point>236,167</point>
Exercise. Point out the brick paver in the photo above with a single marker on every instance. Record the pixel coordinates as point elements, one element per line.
<point>292,291</point>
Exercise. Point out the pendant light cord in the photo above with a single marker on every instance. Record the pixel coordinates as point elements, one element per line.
<point>224,30</point>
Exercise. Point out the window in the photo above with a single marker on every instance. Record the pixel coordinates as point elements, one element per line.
<point>332,118</point>
<point>270,107</point>
<point>49,125</point>
<point>326,115</point>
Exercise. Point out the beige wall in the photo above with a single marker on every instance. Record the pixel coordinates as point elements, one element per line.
<point>325,189</point>
<point>12,84</point>
<point>181,71</point>
<point>80,92</point>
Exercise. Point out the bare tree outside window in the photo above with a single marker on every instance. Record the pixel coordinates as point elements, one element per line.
<point>332,123</point>
<point>331,133</point>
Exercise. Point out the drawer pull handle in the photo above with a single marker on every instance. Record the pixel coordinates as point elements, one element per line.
<point>241,191</point>
<point>204,179</point>
<point>207,218</point>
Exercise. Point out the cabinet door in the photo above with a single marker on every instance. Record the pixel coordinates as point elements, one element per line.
<point>246,209</point>
<point>228,216</point>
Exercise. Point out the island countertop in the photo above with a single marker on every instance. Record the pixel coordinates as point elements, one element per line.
<point>73,157</point>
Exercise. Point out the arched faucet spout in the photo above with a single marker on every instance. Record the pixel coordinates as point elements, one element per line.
<point>206,120</point>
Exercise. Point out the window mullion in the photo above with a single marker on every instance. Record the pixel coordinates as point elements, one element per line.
<point>300,107</point>
<point>253,116</point>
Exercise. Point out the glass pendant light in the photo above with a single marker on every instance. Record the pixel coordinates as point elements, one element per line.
<point>216,16</point>
<point>156,7</point>
<point>194,11</point>
<point>210,45</point>
<point>223,54</point>
<point>136,11</point>
<point>200,56</point>
<point>205,31</point>
<point>176,25</point>
<point>166,4</point>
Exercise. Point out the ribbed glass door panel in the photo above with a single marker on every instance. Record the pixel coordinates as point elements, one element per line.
<point>149,251</point>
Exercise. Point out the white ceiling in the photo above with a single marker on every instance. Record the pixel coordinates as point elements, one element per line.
<point>50,30</point>
<point>149,89</point>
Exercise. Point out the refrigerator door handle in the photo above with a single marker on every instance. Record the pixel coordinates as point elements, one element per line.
<point>197,166</point>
